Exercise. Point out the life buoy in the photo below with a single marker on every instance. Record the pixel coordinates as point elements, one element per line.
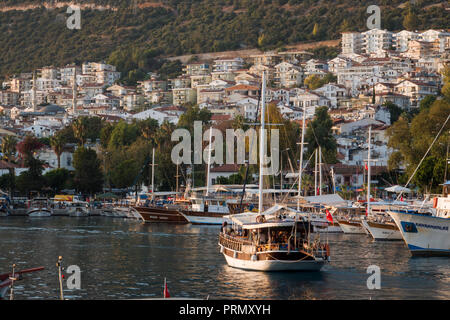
<point>260,219</point>
<point>435,201</point>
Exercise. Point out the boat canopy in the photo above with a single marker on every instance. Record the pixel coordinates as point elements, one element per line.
<point>327,199</point>
<point>248,220</point>
<point>398,189</point>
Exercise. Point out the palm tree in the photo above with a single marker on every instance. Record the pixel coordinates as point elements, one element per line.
<point>57,142</point>
<point>79,129</point>
<point>8,147</point>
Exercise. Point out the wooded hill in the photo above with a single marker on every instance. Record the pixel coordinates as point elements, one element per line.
<point>34,33</point>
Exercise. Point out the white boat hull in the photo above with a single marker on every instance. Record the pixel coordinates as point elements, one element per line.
<point>351,229</point>
<point>424,235</point>
<point>275,265</point>
<point>195,219</point>
<point>37,213</point>
<point>382,233</point>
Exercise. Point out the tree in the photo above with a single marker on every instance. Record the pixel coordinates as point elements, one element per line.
<point>79,127</point>
<point>411,21</point>
<point>57,179</point>
<point>194,113</point>
<point>394,110</point>
<point>319,133</point>
<point>88,176</point>
<point>31,180</point>
<point>411,140</point>
<point>315,30</point>
<point>8,147</point>
<point>57,142</point>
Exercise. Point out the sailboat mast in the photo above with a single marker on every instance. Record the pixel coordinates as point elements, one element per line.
<point>315,172</point>
<point>262,143</point>
<point>300,167</point>
<point>209,162</point>
<point>368,172</point>
<point>153,172</point>
<point>320,171</point>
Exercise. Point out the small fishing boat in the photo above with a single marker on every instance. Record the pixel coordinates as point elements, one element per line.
<point>351,225</point>
<point>206,210</point>
<point>382,230</point>
<point>78,209</point>
<point>39,207</point>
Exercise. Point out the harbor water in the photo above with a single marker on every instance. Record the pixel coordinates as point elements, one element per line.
<point>127,259</point>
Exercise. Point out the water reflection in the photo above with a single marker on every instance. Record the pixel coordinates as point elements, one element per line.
<point>123,259</point>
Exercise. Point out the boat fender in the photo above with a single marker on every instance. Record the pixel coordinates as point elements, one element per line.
<point>221,249</point>
<point>254,257</point>
<point>435,201</point>
<point>235,255</point>
<point>327,248</point>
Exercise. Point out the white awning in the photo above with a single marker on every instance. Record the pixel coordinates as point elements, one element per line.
<point>398,189</point>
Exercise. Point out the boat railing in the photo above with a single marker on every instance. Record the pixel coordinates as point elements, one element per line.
<point>232,243</point>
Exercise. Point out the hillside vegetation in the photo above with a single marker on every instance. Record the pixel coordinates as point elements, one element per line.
<point>34,33</point>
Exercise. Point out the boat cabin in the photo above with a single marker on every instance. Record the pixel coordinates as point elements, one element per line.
<point>209,205</point>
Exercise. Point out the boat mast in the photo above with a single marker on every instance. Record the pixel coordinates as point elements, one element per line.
<point>320,171</point>
<point>209,162</point>
<point>262,143</point>
<point>315,172</point>
<point>368,172</point>
<point>153,172</point>
<point>300,167</point>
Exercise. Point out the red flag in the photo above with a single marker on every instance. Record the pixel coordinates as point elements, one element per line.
<point>367,168</point>
<point>329,216</point>
<point>166,291</point>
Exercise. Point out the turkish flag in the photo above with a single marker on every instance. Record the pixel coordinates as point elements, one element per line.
<point>329,216</point>
<point>367,168</point>
<point>166,292</point>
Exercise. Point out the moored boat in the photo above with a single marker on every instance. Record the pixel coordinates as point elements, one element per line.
<point>382,230</point>
<point>426,233</point>
<point>39,207</point>
<point>272,241</point>
<point>351,226</point>
<point>78,209</point>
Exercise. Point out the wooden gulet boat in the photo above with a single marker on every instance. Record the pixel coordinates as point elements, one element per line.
<point>270,240</point>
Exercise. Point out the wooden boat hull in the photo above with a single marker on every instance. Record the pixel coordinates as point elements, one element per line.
<point>273,261</point>
<point>382,231</point>
<point>160,214</point>
<point>351,227</point>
